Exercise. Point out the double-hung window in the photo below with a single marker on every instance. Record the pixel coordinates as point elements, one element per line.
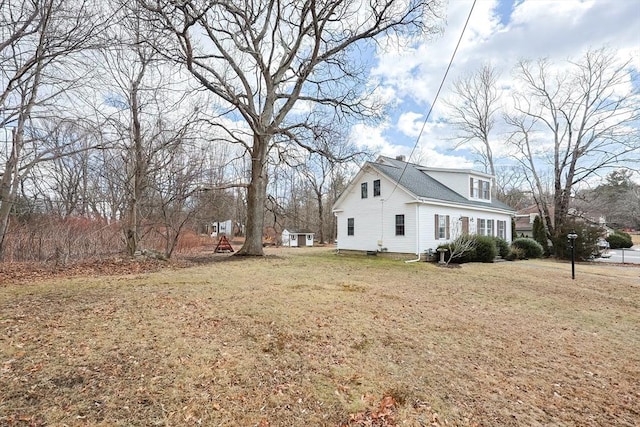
<point>502,229</point>
<point>486,193</point>
<point>376,188</point>
<point>490,227</point>
<point>350,226</point>
<point>363,190</point>
<point>482,227</point>
<point>442,226</point>
<point>399,225</point>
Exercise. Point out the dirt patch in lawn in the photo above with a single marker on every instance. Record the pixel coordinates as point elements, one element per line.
<point>307,337</point>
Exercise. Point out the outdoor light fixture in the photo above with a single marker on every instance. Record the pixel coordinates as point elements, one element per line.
<point>571,239</point>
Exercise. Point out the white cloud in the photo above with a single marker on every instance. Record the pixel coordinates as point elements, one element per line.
<point>557,30</point>
<point>410,123</point>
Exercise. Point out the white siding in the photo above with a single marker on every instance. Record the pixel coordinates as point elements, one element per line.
<point>374,217</point>
<point>428,238</point>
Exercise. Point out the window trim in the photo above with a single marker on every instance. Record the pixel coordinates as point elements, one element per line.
<point>485,190</point>
<point>376,188</point>
<point>400,225</point>
<point>351,227</point>
<point>446,233</point>
<point>482,227</point>
<point>502,229</point>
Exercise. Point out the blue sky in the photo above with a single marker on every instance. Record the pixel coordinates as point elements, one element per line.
<point>500,32</point>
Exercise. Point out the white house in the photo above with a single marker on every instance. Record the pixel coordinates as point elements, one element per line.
<point>395,206</point>
<point>297,238</point>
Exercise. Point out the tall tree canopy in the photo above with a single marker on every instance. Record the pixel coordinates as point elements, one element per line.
<point>288,70</point>
<point>574,122</point>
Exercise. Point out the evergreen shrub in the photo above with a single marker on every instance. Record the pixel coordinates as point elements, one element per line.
<point>486,250</point>
<point>619,240</point>
<point>502,246</point>
<point>531,248</point>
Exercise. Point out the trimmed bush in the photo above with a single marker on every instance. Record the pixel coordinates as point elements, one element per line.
<point>502,246</point>
<point>486,250</point>
<point>619,240</point>
<point>483,250</point>
<point>531,248</point>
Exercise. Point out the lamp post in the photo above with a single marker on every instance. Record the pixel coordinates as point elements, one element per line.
<point>571,238</point>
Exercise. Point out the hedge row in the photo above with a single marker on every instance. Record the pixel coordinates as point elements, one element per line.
<point>486,249</point>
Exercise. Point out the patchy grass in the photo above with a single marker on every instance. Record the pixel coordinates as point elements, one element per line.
<point>306,337</point>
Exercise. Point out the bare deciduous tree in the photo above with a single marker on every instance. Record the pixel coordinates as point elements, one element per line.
<point>284,68</point>
<point>150,112</point>
<point>577,121</point>
<point>37,58</point>
<point>474,108</point>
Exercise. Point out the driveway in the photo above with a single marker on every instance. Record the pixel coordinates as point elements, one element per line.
<point>630,256</point>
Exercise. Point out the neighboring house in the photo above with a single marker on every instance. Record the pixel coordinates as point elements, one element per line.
<point>524,220</point>
<point>395,206</point>
<point>222,228</point>
<point>297,238</point>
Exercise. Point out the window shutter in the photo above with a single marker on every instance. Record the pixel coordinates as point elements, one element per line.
<point>436,229</point>
<point>447,228</point>
<point>470,187</point>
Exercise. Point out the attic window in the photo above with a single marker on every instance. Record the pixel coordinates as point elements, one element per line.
<point>363,190</point>
<point>376,188</point>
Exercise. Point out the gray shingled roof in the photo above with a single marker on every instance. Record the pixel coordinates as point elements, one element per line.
<point>422,185</point>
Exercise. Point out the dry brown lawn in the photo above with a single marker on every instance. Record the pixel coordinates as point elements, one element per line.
<point>309,338</point>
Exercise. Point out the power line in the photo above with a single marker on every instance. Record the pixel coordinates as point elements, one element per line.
<point>444,78</point>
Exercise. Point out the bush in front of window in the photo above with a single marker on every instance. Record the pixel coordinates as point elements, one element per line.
<point>475,249</point>
<point>502,246</point>
<point>486,250</point>
<point>531,248</point>
<point>463,252</point>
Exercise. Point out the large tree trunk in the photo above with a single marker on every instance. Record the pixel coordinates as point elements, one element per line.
<point>132,224</point>
<point>256,198</point>
<point>7,193</point>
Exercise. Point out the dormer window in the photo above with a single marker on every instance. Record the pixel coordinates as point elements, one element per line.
<point>479,189</point>
<point>485,190</point>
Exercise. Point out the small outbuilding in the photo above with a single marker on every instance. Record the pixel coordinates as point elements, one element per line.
<point>298,238</point>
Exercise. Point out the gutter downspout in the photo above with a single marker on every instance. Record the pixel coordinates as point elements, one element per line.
<point>417,235</point>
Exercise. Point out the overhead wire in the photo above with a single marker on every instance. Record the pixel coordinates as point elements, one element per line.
<point>435,99</point>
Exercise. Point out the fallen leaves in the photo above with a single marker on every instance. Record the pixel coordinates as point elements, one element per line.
<point>380,416</point>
